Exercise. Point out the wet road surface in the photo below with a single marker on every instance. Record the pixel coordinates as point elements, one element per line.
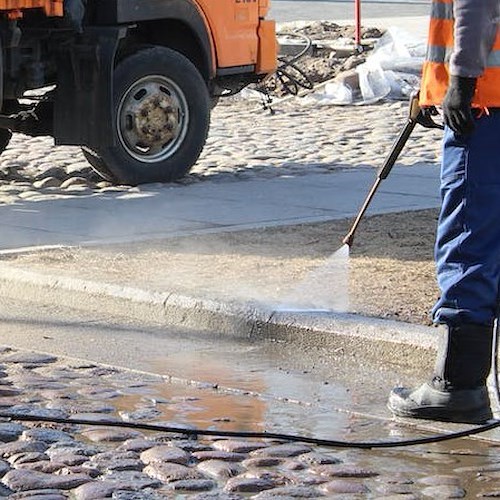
<point>186,378</point>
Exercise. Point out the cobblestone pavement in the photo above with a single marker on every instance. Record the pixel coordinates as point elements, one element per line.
<point>245,142</point>
<point>52,462</point>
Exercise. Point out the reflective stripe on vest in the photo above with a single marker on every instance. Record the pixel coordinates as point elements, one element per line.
<point>439,49</point>
<point>442,10</point>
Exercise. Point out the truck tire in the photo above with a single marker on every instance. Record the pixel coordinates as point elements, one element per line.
<point>97,163</point>
<point>162,116</point>
<point>5,137</point>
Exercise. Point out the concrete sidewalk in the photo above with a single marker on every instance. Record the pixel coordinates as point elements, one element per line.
<point>159,211</point>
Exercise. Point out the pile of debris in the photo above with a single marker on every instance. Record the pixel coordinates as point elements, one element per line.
<point>333,48</point>
<point>385,62</point>
<point>328,49</point>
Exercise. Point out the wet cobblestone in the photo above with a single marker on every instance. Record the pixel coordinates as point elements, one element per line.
<point>58,461</point>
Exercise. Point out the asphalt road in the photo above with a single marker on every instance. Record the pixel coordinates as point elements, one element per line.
<point>293,10</point>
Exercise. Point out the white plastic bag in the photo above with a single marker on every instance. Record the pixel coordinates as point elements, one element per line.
<point>402,84</point>
<point>397,50</point>
<point>334,94</point>
<point>372,82</point>
<point>338,93</point>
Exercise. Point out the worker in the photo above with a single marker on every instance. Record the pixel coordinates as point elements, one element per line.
<point>462,74</point>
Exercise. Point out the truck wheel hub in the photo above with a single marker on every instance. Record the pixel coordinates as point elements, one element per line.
<point>156,121</point>
<point>152,118</point>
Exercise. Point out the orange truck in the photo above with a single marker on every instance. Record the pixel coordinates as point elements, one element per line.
<point>130,81</point>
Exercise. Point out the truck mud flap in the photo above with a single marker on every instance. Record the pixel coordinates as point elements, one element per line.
<point>83,110</point>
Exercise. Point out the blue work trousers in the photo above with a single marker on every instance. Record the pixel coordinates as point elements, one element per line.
<point>467,248</point>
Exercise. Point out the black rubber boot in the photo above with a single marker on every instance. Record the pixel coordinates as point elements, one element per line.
<point>457,391</point>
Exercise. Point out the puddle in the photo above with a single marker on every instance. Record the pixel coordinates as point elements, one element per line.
<point>257,394</point>
<point>473,465</point>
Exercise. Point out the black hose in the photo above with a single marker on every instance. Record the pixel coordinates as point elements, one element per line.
<point>288,74</point>
<point>261,435</point>
<point>366,445</point>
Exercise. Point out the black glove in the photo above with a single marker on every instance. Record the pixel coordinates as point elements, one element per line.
<point>457,109</point>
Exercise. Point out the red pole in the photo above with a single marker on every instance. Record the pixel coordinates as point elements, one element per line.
<point>357,23</point>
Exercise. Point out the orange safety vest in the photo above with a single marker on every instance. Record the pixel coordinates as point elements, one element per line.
<point>435,69</point>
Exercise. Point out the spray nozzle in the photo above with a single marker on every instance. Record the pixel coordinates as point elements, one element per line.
<point>348,239</point>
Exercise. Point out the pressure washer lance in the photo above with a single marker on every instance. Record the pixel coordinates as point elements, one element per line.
<point>416,115</point>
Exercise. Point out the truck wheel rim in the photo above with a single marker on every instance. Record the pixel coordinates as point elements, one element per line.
<point>152,119</point>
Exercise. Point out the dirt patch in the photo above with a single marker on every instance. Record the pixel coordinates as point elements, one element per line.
<point>321,62</point>
<point>390,267</point>
<point>328,30</point>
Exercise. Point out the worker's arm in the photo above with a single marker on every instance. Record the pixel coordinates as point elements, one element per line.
<point>475,28</point>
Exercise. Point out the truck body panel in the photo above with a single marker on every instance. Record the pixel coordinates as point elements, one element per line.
<point>52,8</point>
<point>233,23</point>
<point>233,32</point>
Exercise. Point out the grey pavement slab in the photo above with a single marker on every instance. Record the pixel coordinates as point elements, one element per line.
<point>163,211</point>
<point>20,237</point>
<point>291,10</point>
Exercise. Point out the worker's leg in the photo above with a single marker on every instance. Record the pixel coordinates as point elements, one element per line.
<point>467,257</point>
<point>468,236</point>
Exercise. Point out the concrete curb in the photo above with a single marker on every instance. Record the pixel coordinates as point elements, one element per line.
<point>341,333</point>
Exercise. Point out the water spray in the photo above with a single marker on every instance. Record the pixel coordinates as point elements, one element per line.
<point>416,115</point>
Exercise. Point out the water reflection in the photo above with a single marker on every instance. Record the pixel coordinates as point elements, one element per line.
<point>207,392</point>
<point>217,395</point>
